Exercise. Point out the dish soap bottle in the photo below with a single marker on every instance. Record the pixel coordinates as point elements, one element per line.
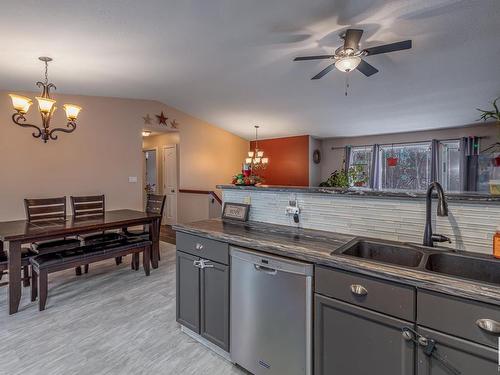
<point>496,244</point>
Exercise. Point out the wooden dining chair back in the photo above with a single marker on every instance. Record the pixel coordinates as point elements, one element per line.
<point>156,204</point>
<point>44,209</point>
<point>88,207</point>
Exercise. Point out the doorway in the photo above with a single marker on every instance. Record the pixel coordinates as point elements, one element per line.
<point>150,178</point>
<point>170,178</point>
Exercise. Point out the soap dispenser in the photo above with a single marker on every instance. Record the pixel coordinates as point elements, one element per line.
<point>496,244</point>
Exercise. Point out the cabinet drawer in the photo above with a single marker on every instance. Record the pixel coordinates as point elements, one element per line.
<point>457,316</point>
<point>203,247</point>
<point>376,294</point>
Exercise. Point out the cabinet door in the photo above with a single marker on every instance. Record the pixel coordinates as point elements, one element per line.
<point>466,356</point>
<point>214,300</point>
<point>188,292</point>
<point>356,341</point>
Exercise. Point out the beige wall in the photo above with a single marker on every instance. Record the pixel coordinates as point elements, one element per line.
<point>104,150</point>
<point>333,159</point>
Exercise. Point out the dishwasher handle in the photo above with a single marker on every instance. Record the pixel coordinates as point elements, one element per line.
<point>268,270</point>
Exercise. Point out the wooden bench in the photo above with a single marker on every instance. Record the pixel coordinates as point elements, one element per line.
<point>44,264</point>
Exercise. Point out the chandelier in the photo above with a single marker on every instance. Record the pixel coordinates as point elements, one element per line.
<point>46,107</point>
<point>256,158</point>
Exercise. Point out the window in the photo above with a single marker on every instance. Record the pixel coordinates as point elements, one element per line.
<point>449,165</point>
<point>361,159</point>
<point>405,166</point>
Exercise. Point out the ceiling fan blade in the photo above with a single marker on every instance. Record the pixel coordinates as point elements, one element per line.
<point>352,38</point>
<point>366,68</point>
<point>320,57</point>
<point>324,71</point>
<point>398,46</point>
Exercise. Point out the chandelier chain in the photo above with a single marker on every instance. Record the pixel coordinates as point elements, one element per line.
<point>46,72</point>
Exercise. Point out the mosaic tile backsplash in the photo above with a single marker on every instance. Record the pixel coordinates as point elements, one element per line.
<point>470,226</point>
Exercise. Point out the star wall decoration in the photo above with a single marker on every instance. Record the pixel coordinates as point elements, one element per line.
<point>174,124</point>
<point>162,119</point>
<point>147,119</point>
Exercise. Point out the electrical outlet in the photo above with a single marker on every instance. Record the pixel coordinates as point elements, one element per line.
<point>247,200</point>
<point>132,179</point>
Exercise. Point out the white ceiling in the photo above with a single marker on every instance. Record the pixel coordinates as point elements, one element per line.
<point>230,61</point>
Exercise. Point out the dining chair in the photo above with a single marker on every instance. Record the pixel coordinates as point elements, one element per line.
<point>49,211</point>
<point>155,204</point>
<point>91,207</point>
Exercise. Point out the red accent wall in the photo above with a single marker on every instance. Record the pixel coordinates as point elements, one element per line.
<point>288,160</point>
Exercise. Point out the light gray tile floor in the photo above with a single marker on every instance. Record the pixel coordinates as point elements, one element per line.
<point>110,321</point>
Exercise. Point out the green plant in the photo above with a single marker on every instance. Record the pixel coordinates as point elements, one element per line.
<point>357,175</point>
<point>493,114</point>
<point>338,179</point>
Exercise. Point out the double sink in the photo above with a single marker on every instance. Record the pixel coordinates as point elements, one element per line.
<point>475,267</point>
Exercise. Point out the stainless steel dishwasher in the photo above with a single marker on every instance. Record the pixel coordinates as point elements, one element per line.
<point>271,307</point>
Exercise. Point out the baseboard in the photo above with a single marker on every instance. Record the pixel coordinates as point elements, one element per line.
<point>207,343</point>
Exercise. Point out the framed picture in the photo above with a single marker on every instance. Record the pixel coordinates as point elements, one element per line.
<point>236,211</point>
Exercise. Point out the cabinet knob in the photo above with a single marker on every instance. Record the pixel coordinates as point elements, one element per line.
<point>358,290</point>
<point>197,263</point>
<point>489,325</point>
<point>198,246</point>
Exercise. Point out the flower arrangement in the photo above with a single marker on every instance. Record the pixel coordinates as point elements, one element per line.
<point>246,180</point>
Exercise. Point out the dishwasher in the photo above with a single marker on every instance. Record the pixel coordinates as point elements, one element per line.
<point>271,313</point>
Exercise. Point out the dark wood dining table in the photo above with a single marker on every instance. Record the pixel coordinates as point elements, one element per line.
<point>19,232</point>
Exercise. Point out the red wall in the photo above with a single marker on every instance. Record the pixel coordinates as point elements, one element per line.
<point>288,160</point>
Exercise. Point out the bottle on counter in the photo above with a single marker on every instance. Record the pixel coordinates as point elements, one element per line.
<point>496,244</point>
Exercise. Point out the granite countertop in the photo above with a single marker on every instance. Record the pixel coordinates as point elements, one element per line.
<point>316,246</point>
<point>473,197</point>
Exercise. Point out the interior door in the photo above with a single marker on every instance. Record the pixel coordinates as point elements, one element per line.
<point>170,184</point>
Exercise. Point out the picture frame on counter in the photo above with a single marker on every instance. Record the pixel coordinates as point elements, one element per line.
<point>235,211</point>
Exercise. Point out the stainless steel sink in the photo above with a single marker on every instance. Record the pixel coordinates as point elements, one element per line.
<point>478,267</point>
<point>383,252</point>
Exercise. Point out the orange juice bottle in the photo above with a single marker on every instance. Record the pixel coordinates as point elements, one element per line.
<point>496,244</point>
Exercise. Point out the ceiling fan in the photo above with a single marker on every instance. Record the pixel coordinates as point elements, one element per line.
<point>349,57</point>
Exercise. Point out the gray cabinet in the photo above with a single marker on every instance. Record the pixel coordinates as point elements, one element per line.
<point>188,291</point>
<point>356,341</point>
<point>214,307</point>
<point>203,297</point>
<point>466,356</point>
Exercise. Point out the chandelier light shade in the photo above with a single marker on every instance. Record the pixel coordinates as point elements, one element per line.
<point>46,107</point>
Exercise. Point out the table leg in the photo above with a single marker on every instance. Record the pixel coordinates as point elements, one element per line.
<point>14,276</point>
<point>154,236</point>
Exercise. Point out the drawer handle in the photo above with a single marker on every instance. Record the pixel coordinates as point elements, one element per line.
<point>197,263</point>
<point>489,325</point>
<point>358,290</point>
<point>198,246</point>
<point>206,264</point>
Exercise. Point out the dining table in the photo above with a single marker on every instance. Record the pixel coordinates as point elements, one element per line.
<point>14,234</point>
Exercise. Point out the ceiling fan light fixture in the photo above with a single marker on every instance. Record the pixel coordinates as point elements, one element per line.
<point>347,64</point>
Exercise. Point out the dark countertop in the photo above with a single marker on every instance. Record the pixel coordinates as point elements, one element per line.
<point>316,246</point>
<point>472,197</point>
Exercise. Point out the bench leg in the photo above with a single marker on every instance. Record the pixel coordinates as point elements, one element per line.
<point>86,268</point>
<point>118,260</point>
<point>34,285</point>
<point>136,261</point>
<point>26,276</point>
<point>78,271</point>
<point>146,259</point>
<point>43,281</point>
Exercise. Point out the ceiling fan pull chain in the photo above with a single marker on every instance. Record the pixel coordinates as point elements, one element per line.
<point>346,83</point>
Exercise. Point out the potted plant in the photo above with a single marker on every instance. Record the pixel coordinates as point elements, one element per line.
<point>493,114</point>
<point>338,179</point>
<point>357,175</point>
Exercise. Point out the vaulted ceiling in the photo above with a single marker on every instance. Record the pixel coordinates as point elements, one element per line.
<point>230,61</point>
